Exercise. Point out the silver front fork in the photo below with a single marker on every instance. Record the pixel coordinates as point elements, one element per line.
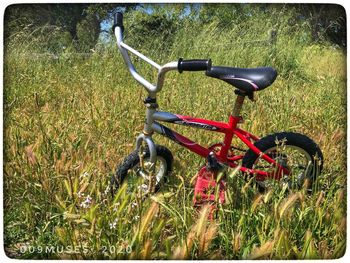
<point>146,135</point>
<point>150,169</point>
<point>151,146</point>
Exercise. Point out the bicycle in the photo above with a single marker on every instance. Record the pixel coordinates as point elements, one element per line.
<point>267,159</point>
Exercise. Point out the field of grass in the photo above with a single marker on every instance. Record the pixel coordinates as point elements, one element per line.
<point>70,120</point>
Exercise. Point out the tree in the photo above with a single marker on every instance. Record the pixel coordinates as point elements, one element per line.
<point>81,21</point>
<point>327,22</point>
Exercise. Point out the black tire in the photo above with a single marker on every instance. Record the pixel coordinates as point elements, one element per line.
<point>133,160</point>
<point>293,139</point>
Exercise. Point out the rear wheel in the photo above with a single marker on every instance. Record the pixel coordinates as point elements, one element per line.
<point>296,152</point>
<point>137,174</point>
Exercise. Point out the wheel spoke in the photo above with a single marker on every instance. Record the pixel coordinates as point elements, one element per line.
<point>136,171</point>
<point>145,173</point>
<point>293,158</point>
<point>142,173</point>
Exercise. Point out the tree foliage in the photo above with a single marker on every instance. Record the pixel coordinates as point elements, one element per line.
<point>327,22</point>
<point>77,25</point>
<point>57,26</point>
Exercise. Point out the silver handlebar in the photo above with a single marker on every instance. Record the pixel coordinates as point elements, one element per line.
<point>162,70</point>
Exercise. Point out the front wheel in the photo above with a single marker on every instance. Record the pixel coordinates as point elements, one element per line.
<point>137,175</point>
<point>296,152</point>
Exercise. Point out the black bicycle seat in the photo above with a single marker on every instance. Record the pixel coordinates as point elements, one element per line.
<point>245,79</point>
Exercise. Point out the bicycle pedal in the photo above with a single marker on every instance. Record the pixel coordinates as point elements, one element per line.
<point>213,164</point>
<point>207,189</point>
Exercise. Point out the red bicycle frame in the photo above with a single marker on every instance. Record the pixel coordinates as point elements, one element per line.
<point>152,115</point>
<point>229,129</point>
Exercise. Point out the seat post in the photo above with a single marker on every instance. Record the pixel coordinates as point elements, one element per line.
<point>238,105</point>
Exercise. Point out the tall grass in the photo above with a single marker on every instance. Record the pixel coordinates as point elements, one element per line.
<point>70,120</point>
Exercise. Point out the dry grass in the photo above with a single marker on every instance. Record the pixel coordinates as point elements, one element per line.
<point>70,121</point>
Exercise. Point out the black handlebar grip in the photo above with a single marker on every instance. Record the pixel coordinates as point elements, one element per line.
<point>193,65</point>
<point>118,20</point>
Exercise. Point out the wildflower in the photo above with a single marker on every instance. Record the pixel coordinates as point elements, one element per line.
<point>113,225</point>
<point>80,195</point>
<point>88,199</point>
<point>136,217</point>
<point>84,205</point>
<point>143,187</point>
<point>133,205</point>
<point>107,190</point>
<point>87,202</point>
